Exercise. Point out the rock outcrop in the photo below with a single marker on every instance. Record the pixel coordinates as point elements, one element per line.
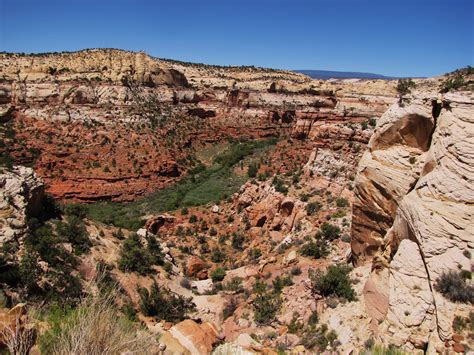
<point>21,197</point>
<point>414,216</point>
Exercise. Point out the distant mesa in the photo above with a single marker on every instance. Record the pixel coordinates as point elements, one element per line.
<point>328,74</point>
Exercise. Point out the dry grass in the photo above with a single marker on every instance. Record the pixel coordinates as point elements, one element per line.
<point>97,327</point>
<point>17,335</point>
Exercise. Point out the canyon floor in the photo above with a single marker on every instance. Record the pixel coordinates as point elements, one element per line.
<point>232,210</point>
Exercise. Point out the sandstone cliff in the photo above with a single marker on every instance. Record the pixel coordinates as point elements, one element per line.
<point>413,216</point>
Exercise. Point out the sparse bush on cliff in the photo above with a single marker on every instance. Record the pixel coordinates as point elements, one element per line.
<point>317,249</point>
<point>329,231</point>
<point>265,305</point>
<point>134,257</point>
<point>453,286</point>
<point>342,202</point>
<point>404,87</point>
<point>218,274</point>
<point>334,282</point>
<point>164,304</point>
<point>453,83</point>
<point>312,208</point>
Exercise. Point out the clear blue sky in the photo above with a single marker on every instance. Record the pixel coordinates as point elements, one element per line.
<point>391,37</point>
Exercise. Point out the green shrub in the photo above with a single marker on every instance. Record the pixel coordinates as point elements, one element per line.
<point>454,83</point>
<point>192,218</point>
<point>265,305</point>
<point>237,241</point>
<point>74,231</point>
<point>234,285</point>
<point>164,304</point>
<point>184,211</point>
<point>404,87</point>
<point>453,286</point>
<point>319,338</point>
<point>229,308</point>
<point>218,274</point>
<point>335,282</point>
<point>281,282</point>
<point>218,255</point>
<point>134,257</point>
<point>252,170</point>
<point>329,231</point>
<point>317,249</point>
<point>342,202</point>
<point>312,208</point>
<point>255,253</point>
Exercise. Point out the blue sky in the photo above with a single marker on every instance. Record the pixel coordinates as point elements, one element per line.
<point>391,37</point>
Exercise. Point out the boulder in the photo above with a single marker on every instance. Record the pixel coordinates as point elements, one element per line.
<point>189,337</point>
<point>195,267</point>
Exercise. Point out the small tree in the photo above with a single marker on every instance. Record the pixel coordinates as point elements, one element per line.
<point>335,282</point>
<point>404,87</point>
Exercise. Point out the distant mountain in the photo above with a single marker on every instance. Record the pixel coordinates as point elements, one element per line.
<point>328,74</point>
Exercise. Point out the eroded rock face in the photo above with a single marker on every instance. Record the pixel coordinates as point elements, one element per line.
<point>21,197</point>
<point>414,216</point>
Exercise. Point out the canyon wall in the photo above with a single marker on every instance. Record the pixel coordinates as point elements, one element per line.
<point>87,121</point>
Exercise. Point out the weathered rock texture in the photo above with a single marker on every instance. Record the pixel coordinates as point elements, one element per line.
<point>21,197</point>
<point>414,215</point>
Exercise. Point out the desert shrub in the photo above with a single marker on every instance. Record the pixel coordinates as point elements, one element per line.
<point>252,170</point>
<point>454,83</point>
<point>255,253</point>
<point>192,218</point>
<point>279,185</point>
<point>218,274</point>
<point>312,208</point>
<point>184,211</point>
<point>73,231</point>
<point>164,304</point>
<point>295,324</point>
<point>334,282</point>
<point>319,338</point>
<point>372,122</point>
<point>404,87</point>
<point>453,286</point>
<point>94,327</point>
<point>41,244</point>
<point>234,285</point>
<point>185,283</point>
<point>281,282</point>
<point>265,305</point>
<point>318,248</point>
<point>237,241</point>
<point>296,270</point>
<point>342,202</point>
<point>229,308</point>
<point>134,257</point>
<point>218,255</point>
<point>329,231</point>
